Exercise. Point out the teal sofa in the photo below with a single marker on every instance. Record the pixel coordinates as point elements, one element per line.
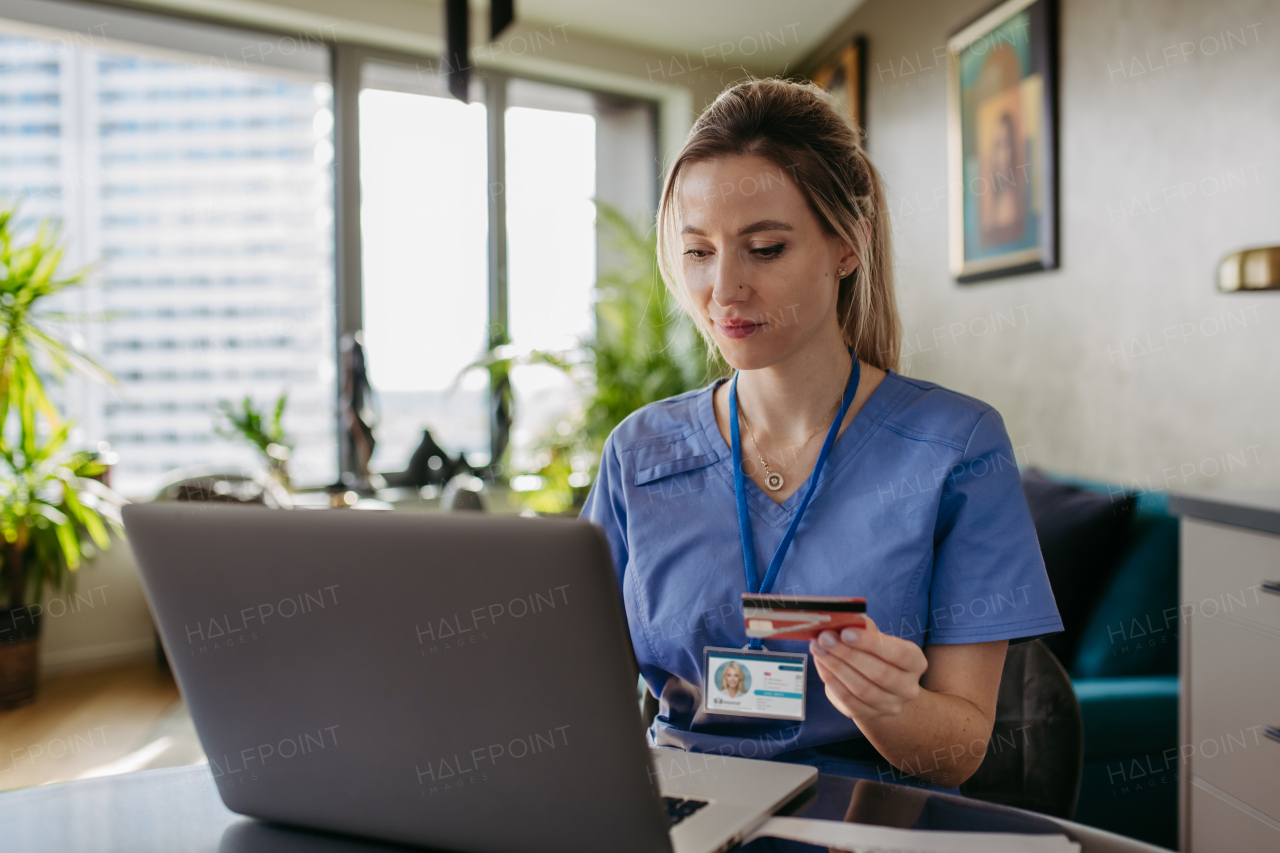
<point>1125,673</point>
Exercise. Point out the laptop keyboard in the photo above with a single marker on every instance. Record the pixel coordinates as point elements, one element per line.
<point>678,809</point>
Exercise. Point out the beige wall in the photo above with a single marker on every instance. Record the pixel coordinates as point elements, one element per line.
<point>105,622</point>
<point>1124,364</point>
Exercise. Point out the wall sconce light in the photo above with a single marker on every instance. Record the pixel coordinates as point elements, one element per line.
<point>1250,269</point>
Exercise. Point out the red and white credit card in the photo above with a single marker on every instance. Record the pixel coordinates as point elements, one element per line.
<point>800,617</point>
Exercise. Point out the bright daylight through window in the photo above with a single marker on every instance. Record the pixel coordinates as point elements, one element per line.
<point>424,221</point>
<point>424,206</point>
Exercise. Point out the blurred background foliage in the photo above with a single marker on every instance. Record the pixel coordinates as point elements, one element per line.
<point>53,513</point>
<point>644,349</point>
<point>262,430</point>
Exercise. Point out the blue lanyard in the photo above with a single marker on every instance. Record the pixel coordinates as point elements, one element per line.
<point>740,489</point>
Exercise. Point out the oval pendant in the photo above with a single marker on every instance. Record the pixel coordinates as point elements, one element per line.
<point>774,482</point>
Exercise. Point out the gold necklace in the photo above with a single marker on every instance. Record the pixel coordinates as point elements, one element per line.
<point>772,479</point>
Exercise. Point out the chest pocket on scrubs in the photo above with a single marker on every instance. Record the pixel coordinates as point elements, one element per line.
<point>674,465</point>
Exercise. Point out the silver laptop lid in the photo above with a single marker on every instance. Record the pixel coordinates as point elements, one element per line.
<point>455,680</point>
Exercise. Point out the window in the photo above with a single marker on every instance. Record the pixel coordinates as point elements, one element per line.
<point>202,187</point>
<point>429,187</point>
<point>551,181</point>
<point>424,246</point>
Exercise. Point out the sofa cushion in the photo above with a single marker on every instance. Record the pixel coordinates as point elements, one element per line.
<point>1127,717</point>
<point>1133,629</point>
<point>1082,535</point>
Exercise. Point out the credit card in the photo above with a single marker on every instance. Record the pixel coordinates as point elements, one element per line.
<point>800,617</point>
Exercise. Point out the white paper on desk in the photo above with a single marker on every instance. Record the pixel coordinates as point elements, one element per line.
<point>861,838</point>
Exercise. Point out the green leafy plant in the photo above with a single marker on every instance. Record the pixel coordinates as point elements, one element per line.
<point>566,464</point>
<point>28,275</point>
<point>264,432</point>
<point>52,514</point>
<point>644,349</point>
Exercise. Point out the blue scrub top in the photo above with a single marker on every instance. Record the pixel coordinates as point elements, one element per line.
<point>919,509</point>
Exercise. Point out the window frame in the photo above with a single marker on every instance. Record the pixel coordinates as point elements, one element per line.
<point>348,60</point>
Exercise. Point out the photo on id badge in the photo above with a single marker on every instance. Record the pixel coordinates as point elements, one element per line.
<point>749,683</point>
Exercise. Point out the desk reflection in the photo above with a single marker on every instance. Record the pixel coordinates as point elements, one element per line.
<point>835,798</point>
<point>899,806</point>
<point>255,836</point>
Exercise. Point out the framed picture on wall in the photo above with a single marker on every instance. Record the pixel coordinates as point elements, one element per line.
<point>844,76</point>
<point>1002,142</point>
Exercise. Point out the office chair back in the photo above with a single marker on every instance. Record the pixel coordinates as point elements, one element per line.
<point>1036,754</point>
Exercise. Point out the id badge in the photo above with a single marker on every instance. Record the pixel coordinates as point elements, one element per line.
<point>748,683</point>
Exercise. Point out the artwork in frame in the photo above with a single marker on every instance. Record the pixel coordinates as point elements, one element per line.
<point>1002,141</point>
<point>844,76</point>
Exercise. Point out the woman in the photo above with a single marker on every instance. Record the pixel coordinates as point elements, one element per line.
<point>731,680</point>
<point>774,236</point>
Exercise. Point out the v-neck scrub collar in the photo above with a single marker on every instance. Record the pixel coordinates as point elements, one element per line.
<point>847,444</point>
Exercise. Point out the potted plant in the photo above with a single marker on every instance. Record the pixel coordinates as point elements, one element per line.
<point>244,423</point>
<point>52,514</point>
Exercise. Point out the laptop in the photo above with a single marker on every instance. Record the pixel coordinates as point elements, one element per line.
<point>457,681</point>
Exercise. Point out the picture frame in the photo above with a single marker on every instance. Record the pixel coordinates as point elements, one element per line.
<point>844,75</point>
<point>1002,142</point>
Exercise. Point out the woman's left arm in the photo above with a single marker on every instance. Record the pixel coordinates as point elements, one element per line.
<point>929,712</point>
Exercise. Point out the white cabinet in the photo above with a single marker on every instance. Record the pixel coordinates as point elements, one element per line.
<point>1229,722</point>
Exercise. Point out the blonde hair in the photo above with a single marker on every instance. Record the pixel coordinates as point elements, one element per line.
<point>742,676</point>
<point>801,129</point>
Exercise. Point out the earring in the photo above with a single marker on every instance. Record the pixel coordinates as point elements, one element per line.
<point>841,273</point>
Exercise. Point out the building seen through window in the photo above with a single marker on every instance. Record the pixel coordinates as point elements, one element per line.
<point>203,195</point>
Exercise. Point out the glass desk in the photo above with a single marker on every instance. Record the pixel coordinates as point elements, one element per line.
<point>177,810</point>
